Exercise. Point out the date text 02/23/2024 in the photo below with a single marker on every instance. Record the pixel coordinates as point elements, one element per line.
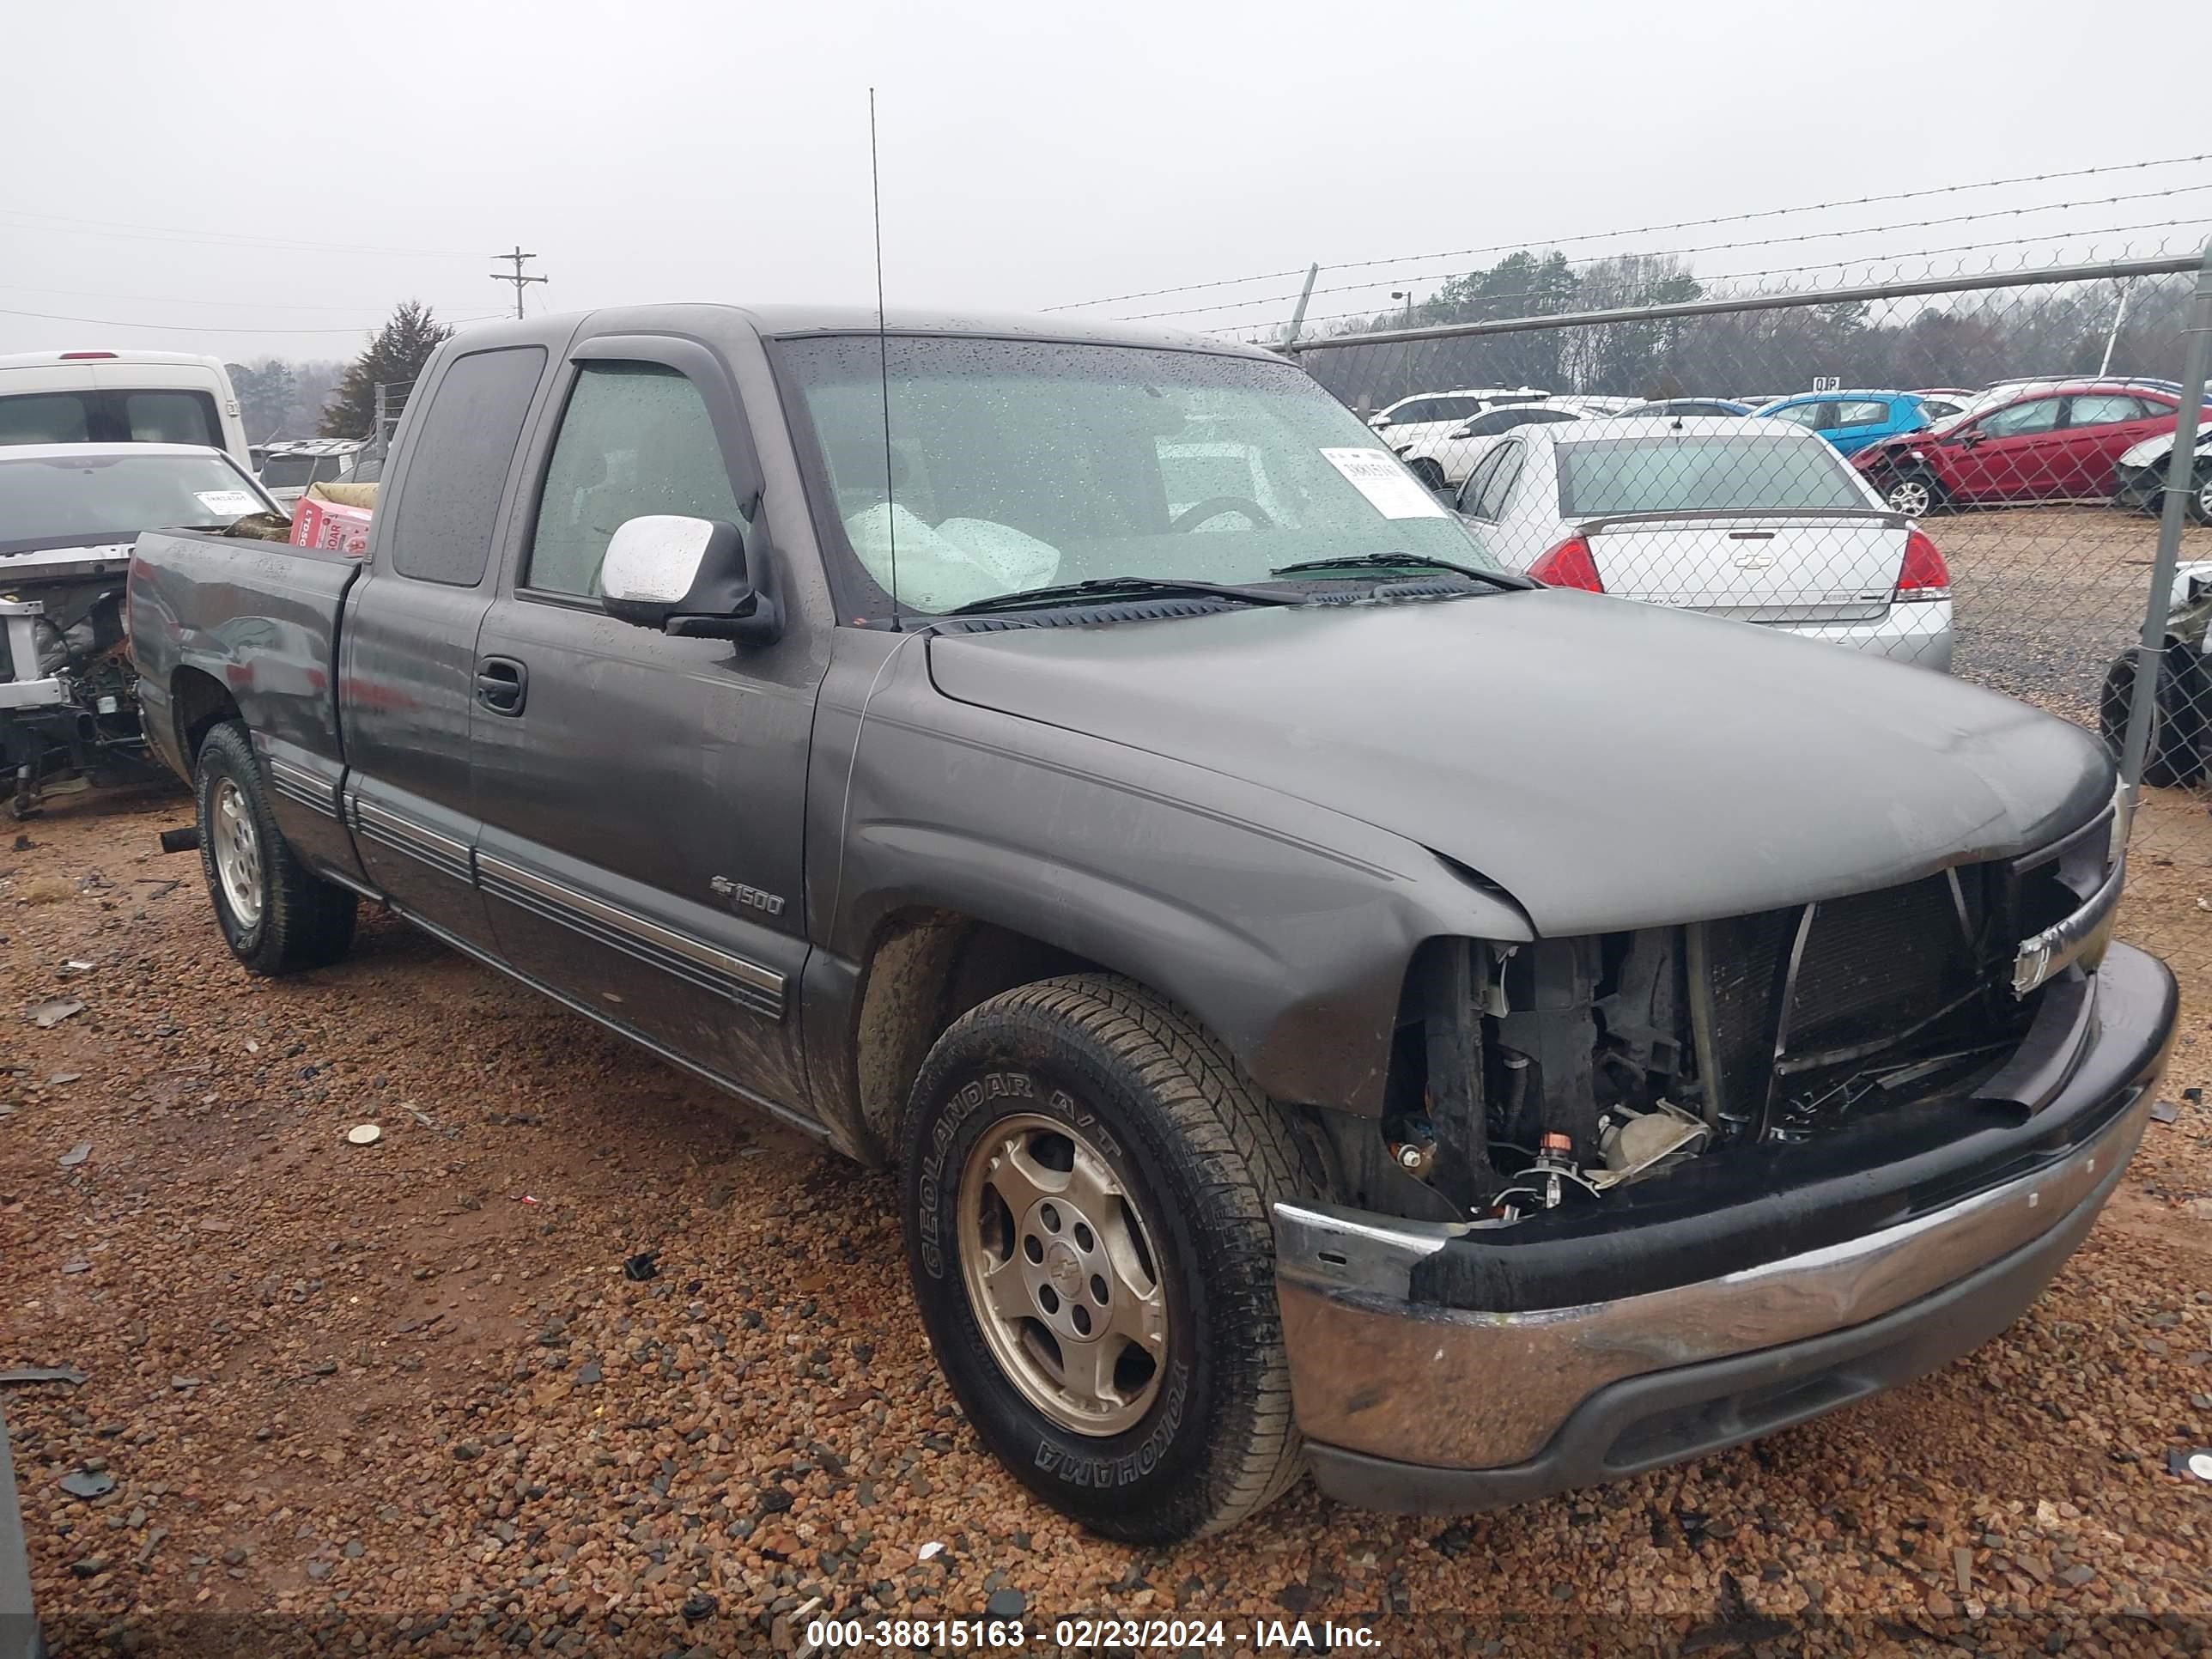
<point>987,1635</point>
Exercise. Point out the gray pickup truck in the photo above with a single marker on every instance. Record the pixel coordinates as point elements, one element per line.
<point>1332,1003</point>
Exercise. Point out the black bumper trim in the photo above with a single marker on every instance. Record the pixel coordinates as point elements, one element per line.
<point>1668,1417</point>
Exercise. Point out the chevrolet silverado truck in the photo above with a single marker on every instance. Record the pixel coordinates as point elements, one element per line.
<point>1332,1003</point>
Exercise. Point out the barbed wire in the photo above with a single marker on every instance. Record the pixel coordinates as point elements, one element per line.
<point>1894,264</point>
<point>1647,230</point>
<point>1724,247</point>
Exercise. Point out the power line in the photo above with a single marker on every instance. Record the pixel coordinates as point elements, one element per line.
<point>206,328</point>
<point>246,239</point>
<point>1646,230</point>
<point>171,299</point>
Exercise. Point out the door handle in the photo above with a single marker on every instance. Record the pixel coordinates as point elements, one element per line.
<point>502,685</point>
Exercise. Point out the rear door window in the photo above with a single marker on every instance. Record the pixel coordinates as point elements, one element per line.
<point>46,417</point>
<point>167,417</point>
<point>457,470</point>
<point>2105,409</point>
<point>1868,412</point>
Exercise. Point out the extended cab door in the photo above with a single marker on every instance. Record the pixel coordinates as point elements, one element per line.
<point>408,640</point>
<point>643,796</point>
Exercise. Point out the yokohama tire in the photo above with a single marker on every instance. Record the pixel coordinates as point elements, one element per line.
<point>1161,1112</point>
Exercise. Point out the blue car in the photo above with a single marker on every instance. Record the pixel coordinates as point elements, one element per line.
<point>1851,420</point>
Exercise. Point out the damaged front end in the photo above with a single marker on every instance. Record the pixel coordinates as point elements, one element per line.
<point>1527,1077</point>
<point>1641,1195</point>
<point>69,701</point>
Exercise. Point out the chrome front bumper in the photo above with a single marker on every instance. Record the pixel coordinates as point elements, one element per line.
<point>1471,1408</point>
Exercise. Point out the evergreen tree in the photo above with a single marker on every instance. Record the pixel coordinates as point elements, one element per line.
<point>395,356</point>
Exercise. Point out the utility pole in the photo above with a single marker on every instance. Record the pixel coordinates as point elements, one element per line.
<point>2126,286</point>
<point>518,278</point>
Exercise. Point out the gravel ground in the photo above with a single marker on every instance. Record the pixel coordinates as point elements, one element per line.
<point>2046,597</point>
<point>401,1396</point>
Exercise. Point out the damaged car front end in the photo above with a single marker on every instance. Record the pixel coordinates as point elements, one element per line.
<point>1638,1196</point>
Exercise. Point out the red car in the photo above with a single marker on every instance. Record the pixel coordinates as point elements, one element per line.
<point>2054,441</point>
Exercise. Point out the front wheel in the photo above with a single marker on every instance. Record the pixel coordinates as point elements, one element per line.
<point>1913,494</point>
<point>1088,1184</point>
<point>2200,496</point>
<point>1429,472</point>
<point>277,915</point>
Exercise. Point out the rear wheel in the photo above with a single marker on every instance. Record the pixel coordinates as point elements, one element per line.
<point>2172,754</point>
<point>1916,495</point>
<point>2200,496</point>
<point>277,915</point>
<point>1088,1183</point>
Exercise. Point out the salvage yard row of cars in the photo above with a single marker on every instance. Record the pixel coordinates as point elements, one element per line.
<point>2089,439</point>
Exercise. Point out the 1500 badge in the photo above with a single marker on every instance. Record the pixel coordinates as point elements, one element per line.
<point>752,897</point>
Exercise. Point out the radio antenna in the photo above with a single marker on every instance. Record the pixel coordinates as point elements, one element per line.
<point>883,358</point>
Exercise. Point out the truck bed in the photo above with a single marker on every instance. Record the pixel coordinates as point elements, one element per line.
<point>253,621</point>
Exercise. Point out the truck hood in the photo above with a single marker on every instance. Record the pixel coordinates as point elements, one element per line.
<point>1611,765</point>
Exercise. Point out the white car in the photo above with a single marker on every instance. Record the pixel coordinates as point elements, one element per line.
<point>1758,520</point>
<point>288,465</point>
<point>1599,403</point>
<point>1432,413</point>
<point>119,397</point>
<point>1442,460</point>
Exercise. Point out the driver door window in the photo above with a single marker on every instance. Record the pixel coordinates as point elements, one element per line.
<point>635,439</point>
<point>2022,419</point>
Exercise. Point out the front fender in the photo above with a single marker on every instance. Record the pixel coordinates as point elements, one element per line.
<point>1284,926</point>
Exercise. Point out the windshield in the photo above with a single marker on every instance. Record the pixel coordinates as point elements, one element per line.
<point>1016,464</point>
<point>81,500</point>
<point>1703,473</point>
<point>288,471</point>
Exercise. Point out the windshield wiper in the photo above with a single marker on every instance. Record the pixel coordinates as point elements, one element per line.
<point>1363,561</point>
<point>1112,587</point>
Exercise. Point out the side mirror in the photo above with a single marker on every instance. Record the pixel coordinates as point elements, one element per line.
<point>1378,421</point>
<point>687,577</point>
<point>1968,439</point>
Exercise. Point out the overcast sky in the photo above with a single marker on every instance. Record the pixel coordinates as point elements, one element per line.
<point>168,160</point>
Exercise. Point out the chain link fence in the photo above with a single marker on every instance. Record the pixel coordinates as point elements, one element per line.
<point>1968,472</point>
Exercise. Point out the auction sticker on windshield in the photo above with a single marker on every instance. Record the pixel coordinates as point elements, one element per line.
<point>241,502</point>
<point>1389,489</point>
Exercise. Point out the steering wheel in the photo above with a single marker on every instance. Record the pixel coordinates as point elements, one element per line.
<point>1214,506</point>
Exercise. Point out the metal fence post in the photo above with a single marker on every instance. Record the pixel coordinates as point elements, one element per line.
<point>1298,317</point>
<point>2180,473</point>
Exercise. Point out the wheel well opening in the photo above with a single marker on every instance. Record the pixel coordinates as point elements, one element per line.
<point>198,703</point>
<point>929,967</point>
